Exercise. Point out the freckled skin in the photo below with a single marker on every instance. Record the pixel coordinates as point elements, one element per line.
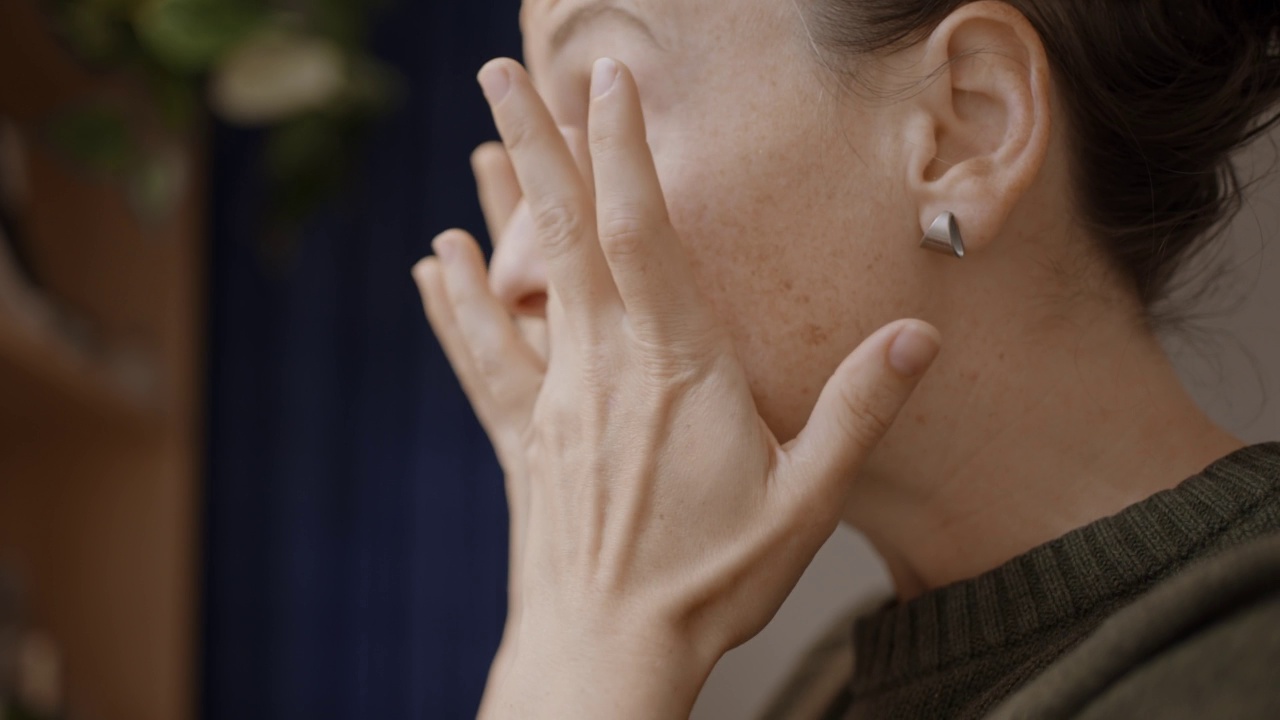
<point>762,197</point>
<point>801,204</point>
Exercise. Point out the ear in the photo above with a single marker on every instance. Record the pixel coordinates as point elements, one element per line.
<point>979,131</point>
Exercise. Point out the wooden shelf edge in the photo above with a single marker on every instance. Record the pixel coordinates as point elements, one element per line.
<point>56,364</point>
<point>32,343</point>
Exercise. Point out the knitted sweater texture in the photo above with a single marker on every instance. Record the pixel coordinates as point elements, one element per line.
<point>1169,609</point>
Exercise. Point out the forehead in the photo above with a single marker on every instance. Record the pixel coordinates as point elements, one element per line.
<point>545,17</point>
<point>673,24</point>
<point>560,34</point>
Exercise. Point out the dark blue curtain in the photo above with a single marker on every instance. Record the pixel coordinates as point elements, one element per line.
<point>355,527</point>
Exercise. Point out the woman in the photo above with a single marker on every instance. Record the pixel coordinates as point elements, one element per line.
<point>661,354</point>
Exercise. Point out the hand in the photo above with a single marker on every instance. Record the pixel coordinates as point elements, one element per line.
<point>500,197</point>
<point>664,523</point>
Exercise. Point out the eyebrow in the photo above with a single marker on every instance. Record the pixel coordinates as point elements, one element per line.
<point>597,11</point>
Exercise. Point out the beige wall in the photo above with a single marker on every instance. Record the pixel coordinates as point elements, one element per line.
<point>1232,367</point>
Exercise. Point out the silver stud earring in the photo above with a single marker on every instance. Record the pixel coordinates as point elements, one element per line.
<point>944,236</point>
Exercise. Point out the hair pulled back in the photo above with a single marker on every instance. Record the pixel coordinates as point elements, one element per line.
<point>1159,94</point>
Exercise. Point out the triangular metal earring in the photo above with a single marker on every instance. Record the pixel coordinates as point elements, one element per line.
<point>944,236</point>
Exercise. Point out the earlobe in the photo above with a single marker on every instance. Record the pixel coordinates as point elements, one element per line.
<point>979,129</point>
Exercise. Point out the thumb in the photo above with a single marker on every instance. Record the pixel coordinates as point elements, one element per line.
<point>861,401</point>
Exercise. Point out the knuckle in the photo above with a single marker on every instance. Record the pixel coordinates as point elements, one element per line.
<point>597,363</point>
<point>667,366</point>
<point>623,235</point>
<point>599,375</point>
<point>558,224</point>
<point>669,377</point>
<point>550,432</point>
<point>518,133</point>
<point>604,140</point>
<point>489,367</point>
<point>677,335</point>
<point>489,357</point>
<point>866,420</point>
<point>506,392</point>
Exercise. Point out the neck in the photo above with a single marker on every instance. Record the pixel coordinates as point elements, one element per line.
<point>1004,450</point>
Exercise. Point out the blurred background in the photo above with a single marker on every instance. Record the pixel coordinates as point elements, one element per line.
<point>237,476</point>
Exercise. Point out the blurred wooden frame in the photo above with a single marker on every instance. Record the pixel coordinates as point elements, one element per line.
<point>99,486</point>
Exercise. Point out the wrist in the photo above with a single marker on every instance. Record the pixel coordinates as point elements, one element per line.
<point>566,670</point>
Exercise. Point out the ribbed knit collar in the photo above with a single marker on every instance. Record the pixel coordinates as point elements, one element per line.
<point>1064,579</point>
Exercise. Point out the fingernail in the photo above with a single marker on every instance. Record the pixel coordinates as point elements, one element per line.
<point>603,76</point>
<point>914,350</point>
<point>495,81</point>
<point>444,248</point>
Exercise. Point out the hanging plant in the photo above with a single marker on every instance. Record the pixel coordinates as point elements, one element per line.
<point>298,69</point>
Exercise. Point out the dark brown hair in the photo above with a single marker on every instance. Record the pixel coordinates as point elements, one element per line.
<point>1159,93</point>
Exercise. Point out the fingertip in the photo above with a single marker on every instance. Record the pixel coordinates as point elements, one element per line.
<point>496,78</point>
<point>501,61</point>
<point>914,348</point>
<point>485,155</point>
<point>452,235</point>
<point>426,274</point>
<point>461,259</point>
<point>445,246</point>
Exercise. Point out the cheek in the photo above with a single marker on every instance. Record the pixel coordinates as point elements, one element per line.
<point>776,249</point>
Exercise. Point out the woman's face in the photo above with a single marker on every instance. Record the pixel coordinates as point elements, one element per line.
<point>788,192</point>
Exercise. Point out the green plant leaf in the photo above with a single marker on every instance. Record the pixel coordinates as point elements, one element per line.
<point>373,88</point>
<point>182,47</point>
<point>177,97</point>
<point>307,162</point>
<point>99,33</point>
<point>97,138</point>
<point>189,36</point>
<point>342,21</point>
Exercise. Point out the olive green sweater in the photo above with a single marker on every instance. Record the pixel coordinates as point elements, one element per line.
<point>1170,609</point>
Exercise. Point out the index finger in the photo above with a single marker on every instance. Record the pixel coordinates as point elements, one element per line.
<point>644,253</point>
<point>563,214</point>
